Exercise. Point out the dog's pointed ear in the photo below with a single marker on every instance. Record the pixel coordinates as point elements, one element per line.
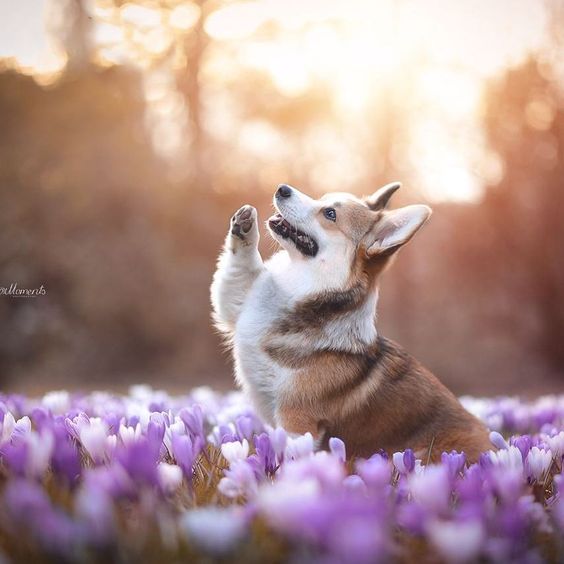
<point>379,200</point>
<point>395,228</point>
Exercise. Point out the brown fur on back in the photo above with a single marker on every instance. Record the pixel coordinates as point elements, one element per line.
<point>383,399</point>
<point>377,398</point>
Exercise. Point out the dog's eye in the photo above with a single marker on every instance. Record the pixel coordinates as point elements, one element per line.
<point>330,213</point>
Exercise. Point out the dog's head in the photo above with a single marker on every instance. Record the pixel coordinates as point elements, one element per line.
<point>340,225</point>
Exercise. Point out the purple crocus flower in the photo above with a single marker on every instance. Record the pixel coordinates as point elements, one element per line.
<point>472,488</point>
<point>354,485</point>
<point>376,472</point>
<point>278,440</point>
<point>327,470</point>
<point>507,483</point>
<point>265,453</point>
<point>139,459</point>
<point>224,434</point>
<point>15,456</point>
<point>194,420</point>
<point>12,429</point>
<point>239,481</point>
<point>94,509</point>
<point>498,441</point>
<point>546,414</point>
<point>75,423</point>
<point>183,452</point>
<point>30,510</point>
<point>523,443</point>
<point>338,449</point>
<point>454,462</point>
<point>558,513</point>
<point>431,489</point>
<point>404,461</point>
<point>25,498</point>
<point>157,406</point>
<point>245,427</point>
<point>113,480</point>
<point>41,418</point>
<point>358,538</point>
<point>112,420</point>
<point>156,432</point>
<point>66,460</point>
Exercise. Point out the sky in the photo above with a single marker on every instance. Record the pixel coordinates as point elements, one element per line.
<point>351,47</point>
<point>23,35</point>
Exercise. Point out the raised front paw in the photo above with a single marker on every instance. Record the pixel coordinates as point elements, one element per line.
<point>244,226</point>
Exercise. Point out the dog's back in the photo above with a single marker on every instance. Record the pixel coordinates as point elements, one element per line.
<point>383,398</point>
<point>373,397</point>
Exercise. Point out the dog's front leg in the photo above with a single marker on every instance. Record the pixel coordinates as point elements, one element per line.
<point>238,267</point>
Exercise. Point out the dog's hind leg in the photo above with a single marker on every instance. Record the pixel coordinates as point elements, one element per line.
<point>238,267</point>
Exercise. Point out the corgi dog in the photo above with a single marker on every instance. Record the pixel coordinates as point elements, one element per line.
<point>302,328</point>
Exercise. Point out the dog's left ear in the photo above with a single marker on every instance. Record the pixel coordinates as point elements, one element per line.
<point>395,228</point>
<point>379,200</point>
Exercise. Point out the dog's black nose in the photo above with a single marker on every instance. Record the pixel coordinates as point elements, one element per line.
<point>284,191</point>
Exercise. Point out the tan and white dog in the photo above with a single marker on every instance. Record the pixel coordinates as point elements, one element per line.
<point>302,327</point>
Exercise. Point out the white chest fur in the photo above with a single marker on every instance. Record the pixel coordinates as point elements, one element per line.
<point>274,292</point>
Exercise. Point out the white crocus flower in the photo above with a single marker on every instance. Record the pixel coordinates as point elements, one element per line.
<point>177,428</point>
<point>509,458</point>
<point>8,425</point>
<point>430,488</point>
<point>278,500</point>
<point>11,428</point>
<point>498,441</point>
<point>239,480</point>
<point>538,462</point>
<point>170,476</point>
<point>93,438</point>
<point>556,444</point>
<point>58,402</point>
<point>457,542</point>
<point>111,442</point>
<point>235,450</point>
<point>39,451</point>
<point>129,435</point>
<point>299,447</point>
<point>214,529</point>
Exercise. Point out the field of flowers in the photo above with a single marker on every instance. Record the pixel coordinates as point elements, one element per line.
<point>146,477</point>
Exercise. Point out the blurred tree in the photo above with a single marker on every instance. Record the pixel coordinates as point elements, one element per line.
<point>85,213</point>
<point>70,22</point>
<point>193,47</point>
<point>524,120</point>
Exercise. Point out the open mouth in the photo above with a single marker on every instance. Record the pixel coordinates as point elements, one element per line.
<point>306,244</point>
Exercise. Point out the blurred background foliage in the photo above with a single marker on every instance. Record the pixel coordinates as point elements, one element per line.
<point>130,132</point>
